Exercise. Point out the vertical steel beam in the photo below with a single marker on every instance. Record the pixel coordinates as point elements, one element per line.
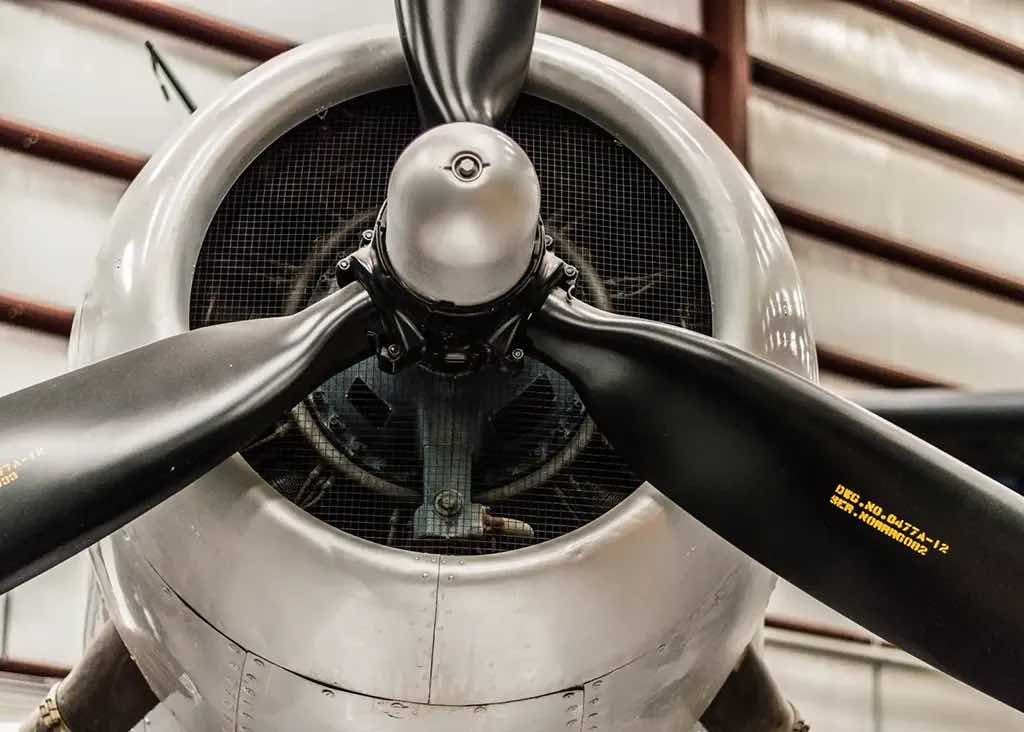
<point>727,73</point>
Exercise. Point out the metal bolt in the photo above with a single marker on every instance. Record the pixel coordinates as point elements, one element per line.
<point>548,241</point>
<point>344,264</point>
<point>368,234</point>
<point>517,354</point>
<point>570,271</point>
<point>467,166</point>
<point>448,502</point>
<point>394,350</point>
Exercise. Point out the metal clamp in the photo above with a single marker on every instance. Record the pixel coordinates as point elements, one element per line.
<point>49,712</point>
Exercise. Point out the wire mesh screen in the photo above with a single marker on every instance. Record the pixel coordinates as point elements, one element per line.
<point>476,463</point>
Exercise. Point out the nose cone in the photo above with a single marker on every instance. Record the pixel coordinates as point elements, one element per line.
<point>463,205</point>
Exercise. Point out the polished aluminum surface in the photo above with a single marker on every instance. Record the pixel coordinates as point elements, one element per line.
<point>362,617</point>
<point>554,615</point>
<point>463,206</point>
<point>273,699</point>
<point>659,692</point>
<point>194,671</point>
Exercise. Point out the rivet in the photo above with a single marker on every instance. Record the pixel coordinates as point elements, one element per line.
<point>517,354</point>
<point>327,692</point>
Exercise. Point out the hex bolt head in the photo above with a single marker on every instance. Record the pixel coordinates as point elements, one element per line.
<point>570,271</point>
<point>448,502</point>
<point>394,350</point>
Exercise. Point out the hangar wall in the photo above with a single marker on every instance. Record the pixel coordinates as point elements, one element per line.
<point>84,73</point>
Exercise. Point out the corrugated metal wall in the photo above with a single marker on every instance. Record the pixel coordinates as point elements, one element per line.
<point>851,172</point>
<point>86,74</point>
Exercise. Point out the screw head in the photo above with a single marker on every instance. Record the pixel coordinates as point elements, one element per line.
<point>570,271</point>
<point>394,350</point>
<point>467,166</point>
<point>368,234</point>
<point>517,354</point>
<point>344,264</point>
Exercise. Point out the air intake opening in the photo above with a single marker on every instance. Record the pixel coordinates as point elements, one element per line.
<point>470,464</point>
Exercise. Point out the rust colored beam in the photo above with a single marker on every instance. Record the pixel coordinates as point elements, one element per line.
<point>872,372</point>
<point>820,630</point>
<point>948,29</point>
<point>70,151</point>
<point>861,240</point>
<point>821,95</point>
<point>727,74</point>
<point>27,314</point>
<point>30,668</point>
<point>636,26</point>
<point>194,26</point>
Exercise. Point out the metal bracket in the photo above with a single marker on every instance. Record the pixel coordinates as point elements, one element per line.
<point>444,336</point>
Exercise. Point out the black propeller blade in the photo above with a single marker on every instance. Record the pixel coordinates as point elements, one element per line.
<point>871,520</point>
<point>467,58</point>
<point>88,451</point>
<point>986,431</point>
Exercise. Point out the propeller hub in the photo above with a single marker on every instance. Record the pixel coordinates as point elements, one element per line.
<point>462,214</point>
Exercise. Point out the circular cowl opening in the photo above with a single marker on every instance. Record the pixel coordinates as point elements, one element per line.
<point>470,464</point>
